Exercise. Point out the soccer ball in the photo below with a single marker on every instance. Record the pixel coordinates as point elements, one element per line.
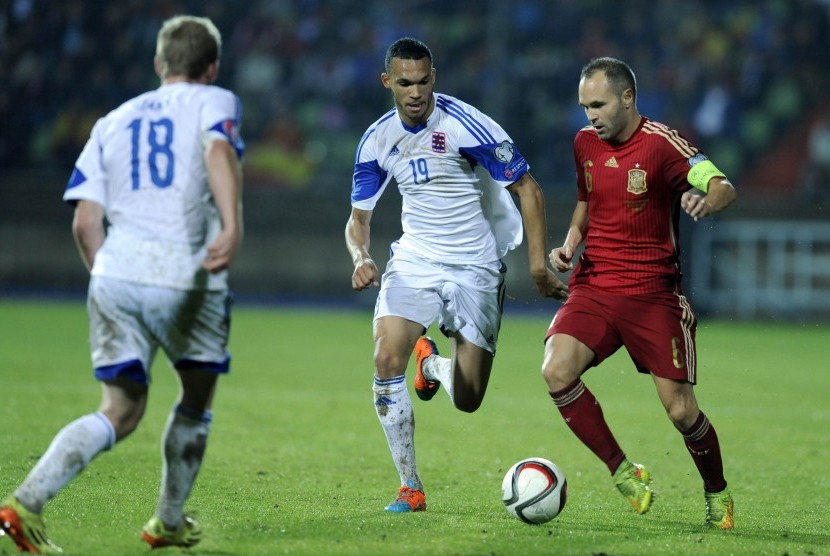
<point>534,490</point>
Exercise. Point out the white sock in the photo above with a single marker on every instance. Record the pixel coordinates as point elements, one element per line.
<point>439,368</point>
<point>70,452</point>
<point>182,449</point>
<point>394,409</point>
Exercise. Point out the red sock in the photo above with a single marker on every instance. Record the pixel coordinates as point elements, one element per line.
<point>583,414</point>
<point>703,445</point>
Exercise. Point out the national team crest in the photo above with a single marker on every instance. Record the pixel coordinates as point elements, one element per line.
<point>637,181</point>
<point>439,142</point>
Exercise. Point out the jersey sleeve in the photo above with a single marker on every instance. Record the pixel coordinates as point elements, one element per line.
<point>678,167</point>
<point>678,155</point>
<point>221,118</point>
<point>369,179</point>
<point>482,140</point>
<point>88,179</point>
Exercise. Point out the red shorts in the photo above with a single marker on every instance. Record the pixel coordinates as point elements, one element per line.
<point>657,330</point>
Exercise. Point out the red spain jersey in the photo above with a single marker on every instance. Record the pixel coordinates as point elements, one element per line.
<point>633,193</point>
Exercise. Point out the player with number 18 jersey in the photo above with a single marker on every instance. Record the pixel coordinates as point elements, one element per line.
<point>144,163</point>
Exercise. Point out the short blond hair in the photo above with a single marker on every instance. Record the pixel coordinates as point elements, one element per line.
<point>187,45</point>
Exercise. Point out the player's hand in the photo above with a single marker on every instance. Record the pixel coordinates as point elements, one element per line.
<point>561,258</point>
<point>550,285</point>
<point>365,274</point>
<point>695,205</point>
<point>221,253</point>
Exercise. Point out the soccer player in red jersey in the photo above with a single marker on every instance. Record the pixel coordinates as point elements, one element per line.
<point>632,176</point>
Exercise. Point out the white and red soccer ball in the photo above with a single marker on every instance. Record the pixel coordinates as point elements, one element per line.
<point>534,490</point>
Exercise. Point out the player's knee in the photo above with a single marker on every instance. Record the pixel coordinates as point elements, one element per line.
<point>557,374</point>
<point>548,373</point>
<point>681,414</point>
<point>388,364</point>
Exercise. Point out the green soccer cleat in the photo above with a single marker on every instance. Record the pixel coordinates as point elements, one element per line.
<point>719,506</point>
<point>632,480</point>
<point>157,535</point>
<point>25,528</point>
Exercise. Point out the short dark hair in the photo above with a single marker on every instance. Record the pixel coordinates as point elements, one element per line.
<point>406,48</point>
<point>619,74</point>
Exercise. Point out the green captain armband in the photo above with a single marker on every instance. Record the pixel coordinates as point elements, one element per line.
<point>700,174</point>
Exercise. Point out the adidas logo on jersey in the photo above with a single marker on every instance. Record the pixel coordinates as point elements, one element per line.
<point>612,163</point>
<point>394,151</point>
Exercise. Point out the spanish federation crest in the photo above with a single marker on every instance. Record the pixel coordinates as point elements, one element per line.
<point>637,181</point>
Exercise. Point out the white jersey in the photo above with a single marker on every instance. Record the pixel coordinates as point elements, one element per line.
<point>144,163</point>
<point>452,173</point>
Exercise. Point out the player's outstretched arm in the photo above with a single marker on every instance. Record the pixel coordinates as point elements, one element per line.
<point>88,229</point>
<point>357,242</point>
<point>532,204</point>
<point>225,181</point>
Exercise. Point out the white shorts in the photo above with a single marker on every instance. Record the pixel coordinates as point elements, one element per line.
<point>467,299</point>
<point>128,322</point>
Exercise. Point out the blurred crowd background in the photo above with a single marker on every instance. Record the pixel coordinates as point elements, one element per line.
<point>733,76</point>
<point>747,80</point>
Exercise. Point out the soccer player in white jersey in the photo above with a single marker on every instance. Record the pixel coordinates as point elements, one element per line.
<point>164,170</point>
<point>455,168</point>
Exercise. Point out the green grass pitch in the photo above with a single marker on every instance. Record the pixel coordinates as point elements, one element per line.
<point>297,463</point>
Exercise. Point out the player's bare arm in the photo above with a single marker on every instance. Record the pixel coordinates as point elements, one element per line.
<point>532,202</point>
<point>720,194</point>
<point>561,258</point>
<point>225,181</point>
<point>357,242</point>
<point>88,229</point>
